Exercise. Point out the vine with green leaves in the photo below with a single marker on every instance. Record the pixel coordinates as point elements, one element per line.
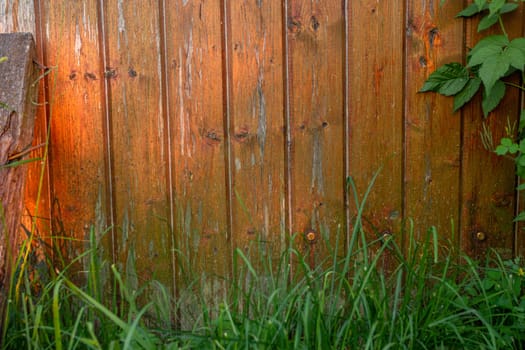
<point>492,66</point>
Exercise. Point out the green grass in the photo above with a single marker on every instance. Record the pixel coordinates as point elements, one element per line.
<point>430,298</point>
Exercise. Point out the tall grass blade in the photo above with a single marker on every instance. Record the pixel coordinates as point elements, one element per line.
<point>56,316</point>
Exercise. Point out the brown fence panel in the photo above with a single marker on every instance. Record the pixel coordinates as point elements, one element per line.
<point>199,126</point>
<point>198,143</point>
<point>315,36</point>
<point>137,140</point>
<point>375,65</point>
<point>77,156</point>
<point>432,130</point>
<point>488,181</point>
<point>257,126</point>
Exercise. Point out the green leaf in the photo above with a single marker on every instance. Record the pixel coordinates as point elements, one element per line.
<point>508,7</point>
<point>492,100</point>
<point>518,43</point>
<point>501,150</point>
<point>480,3</point>
<point>495,43</point>
<point>492,70</point>
<point>513,149</point>
<point>453,86</point>
<point>447,80</point>
<point>467,93</point>
<point>521,187</point>
<point>495,6</point>
<point>470,11</point>
<point>482,54</point>
<point>515,57</point>
<point>521,160</point>
<point>520,217</point>
<point>506,141</point>
<point>487,22</point>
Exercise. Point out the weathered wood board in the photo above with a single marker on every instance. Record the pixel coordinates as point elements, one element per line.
<point>376,118</point>
<point>432,136</point>
<point>488,197</point>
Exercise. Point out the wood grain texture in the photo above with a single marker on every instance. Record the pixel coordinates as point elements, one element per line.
<point>17,16</point>
<point>257,125</point>
<point>376,110</point>
<point>195,79</point>
<point>488,181</point>
<point>315,37</point>
<point>432,130</point>
<point>138,138</point>
<point>199,126</point>
<point>78,187</point>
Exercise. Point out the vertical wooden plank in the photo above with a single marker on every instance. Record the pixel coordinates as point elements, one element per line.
<point>376,110</point>
<point>315,38</point>
<point>433,132</point>
<point>258,124</point>
<point>77,166</point>
<point>488,180</point>
<point>196,101</point>
<point>138,140</point>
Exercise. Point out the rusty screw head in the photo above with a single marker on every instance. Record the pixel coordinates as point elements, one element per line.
<point>310,236</point>
<point>481,236</point>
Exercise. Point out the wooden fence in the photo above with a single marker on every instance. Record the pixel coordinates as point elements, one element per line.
<point>202,125</point>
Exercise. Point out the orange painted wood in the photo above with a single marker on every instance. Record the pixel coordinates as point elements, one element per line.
<point>432,130</point>
<point>488,180</point>
<point>138,134</point>
<point>195,78</point>
<point>375,65</point>
<point>77,153</point>
<point>257,125</point>
<point>315,38</point>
